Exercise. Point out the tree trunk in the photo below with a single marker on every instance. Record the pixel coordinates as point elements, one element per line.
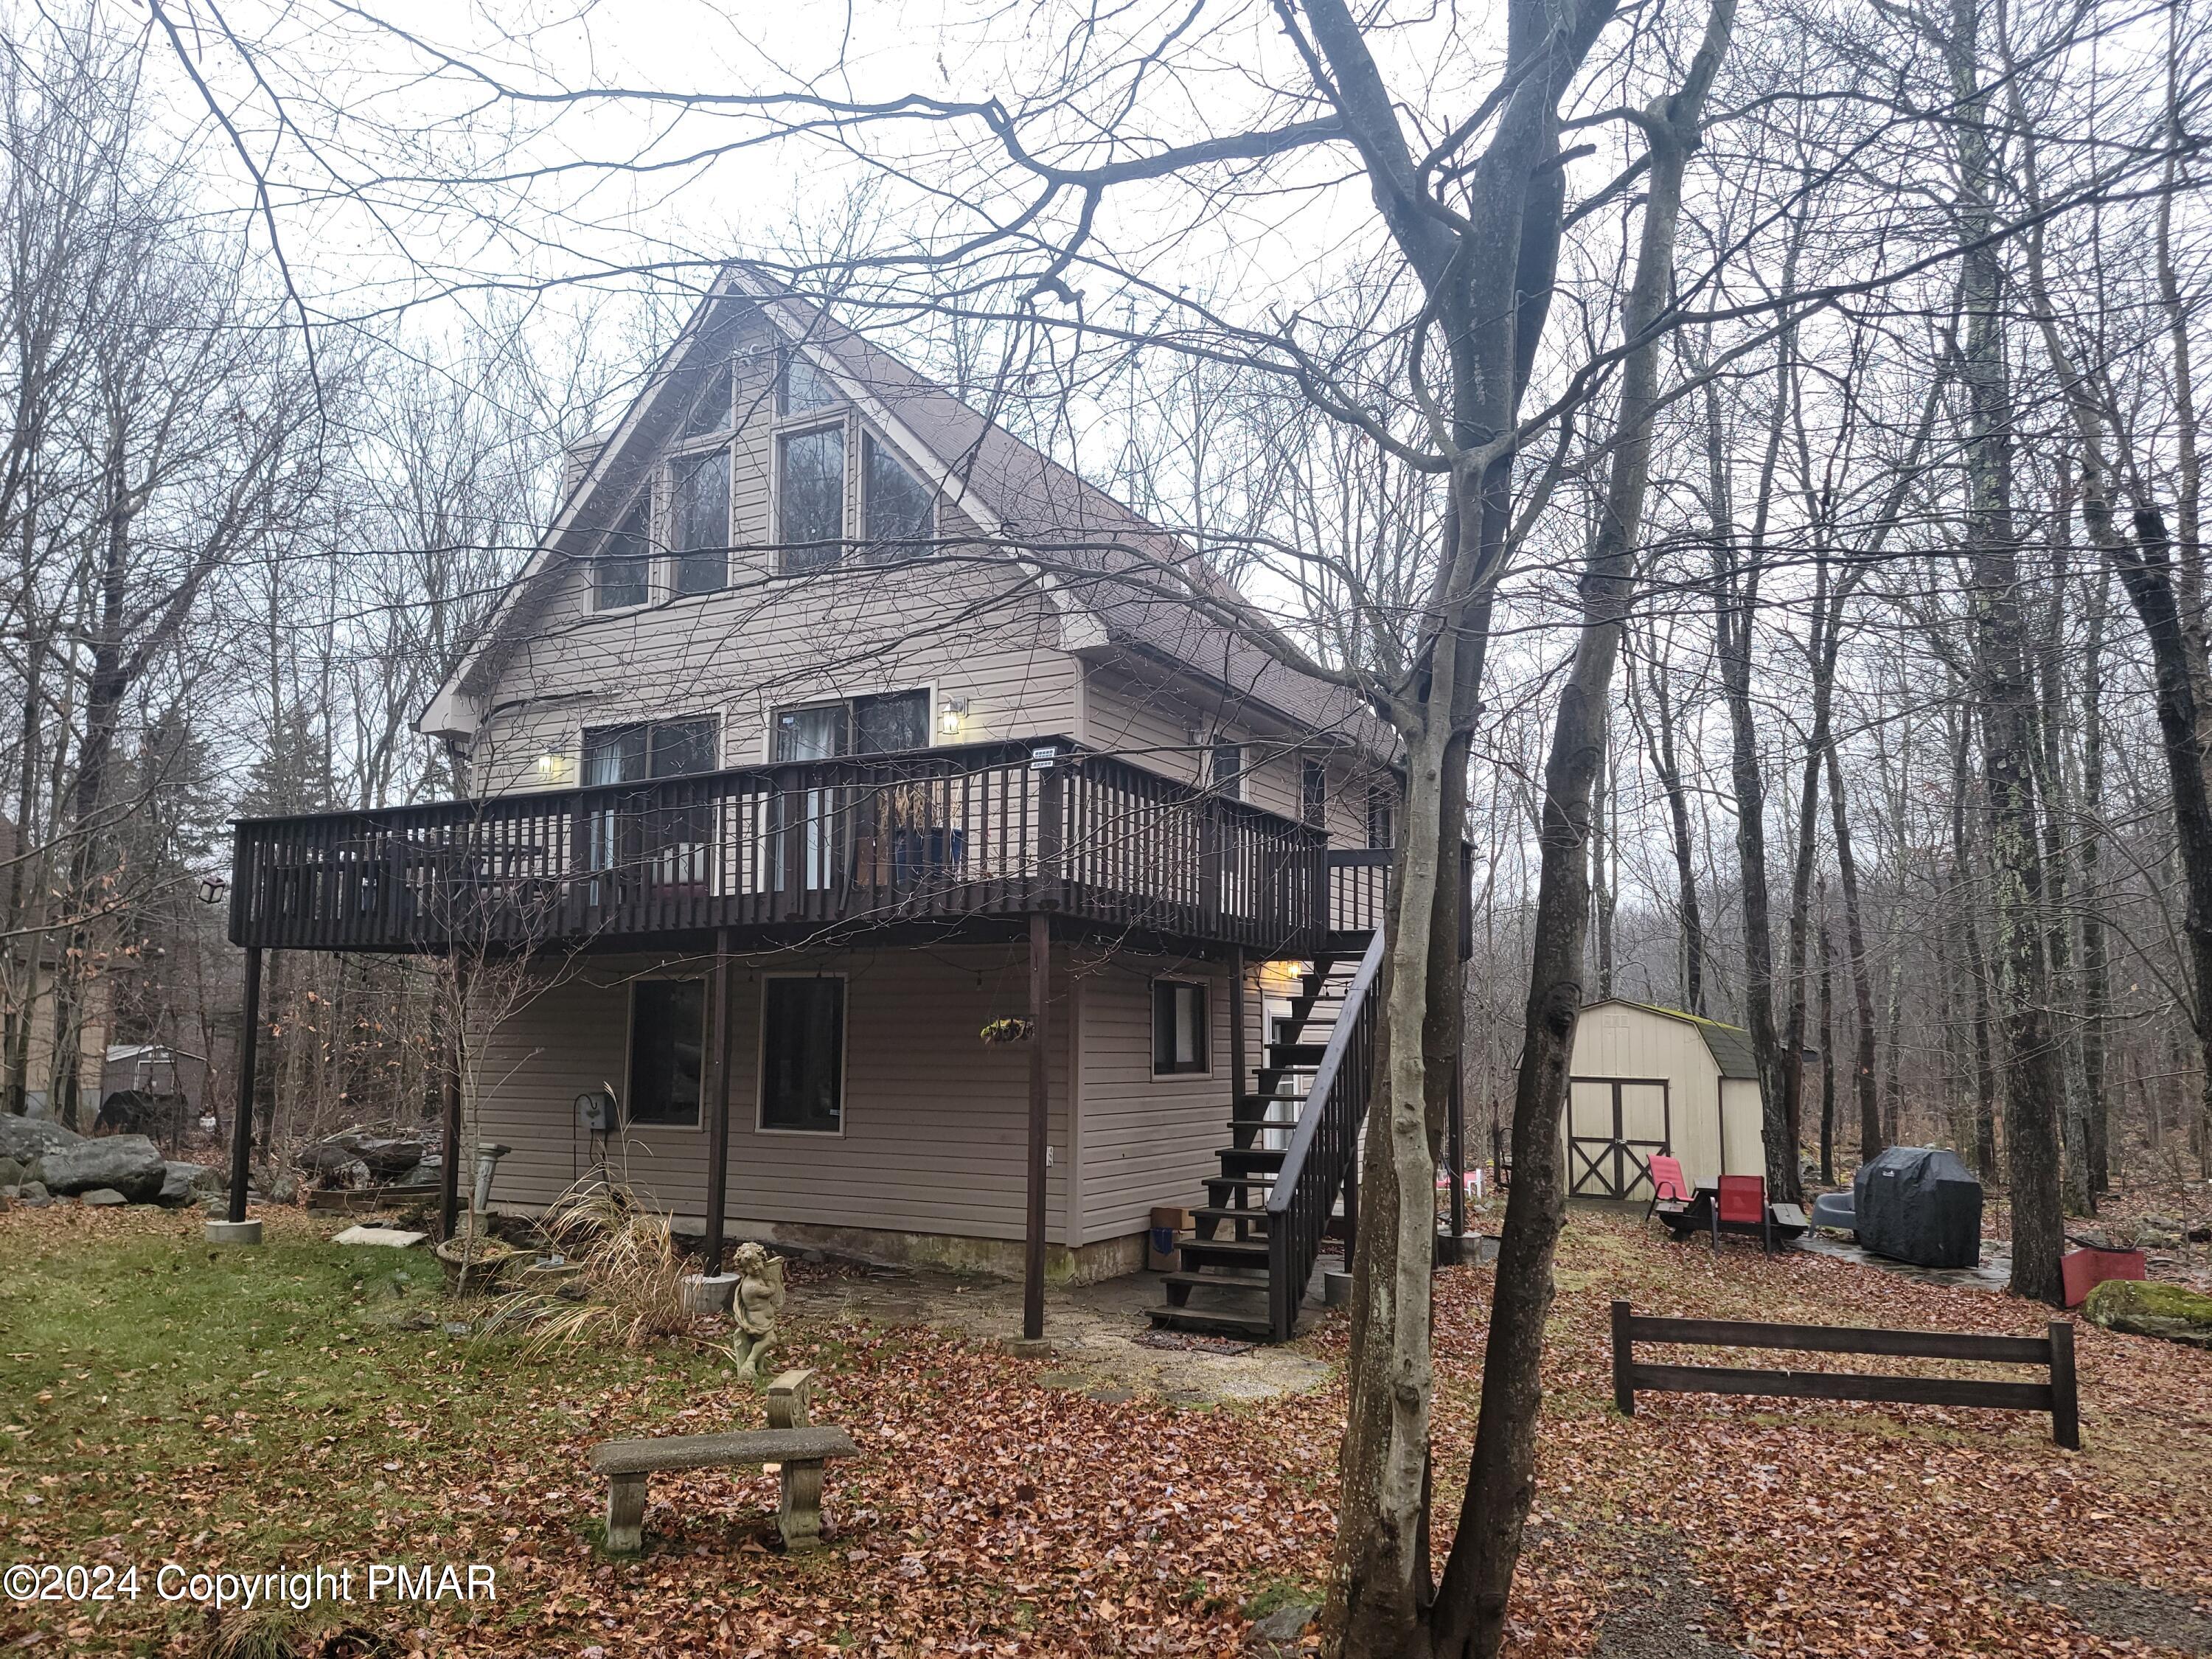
<point>1659,743</point>
<point>2096,966</point>
<point>1469,1614</point>
<point>1847,869</point>
<point>1827,1046</point>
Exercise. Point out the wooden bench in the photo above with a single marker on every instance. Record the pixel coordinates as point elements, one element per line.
<point>2054,1350</point>
<point>789,1440</point>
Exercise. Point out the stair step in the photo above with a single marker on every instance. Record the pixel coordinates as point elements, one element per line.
<point>1214,1322</point>
<point>1257,1182</point>
<point>1229,1213</point>
<point>1261,1122</point>
<point>1222,1281</point>
<point>1280,1054</point>
<point>1249,1158</point>
<point>1197,1252</point>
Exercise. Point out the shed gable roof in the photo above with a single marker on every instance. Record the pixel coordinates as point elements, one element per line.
<point>1728,1045</point>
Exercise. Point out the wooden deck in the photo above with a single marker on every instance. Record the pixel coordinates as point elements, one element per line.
<point>817,849</point>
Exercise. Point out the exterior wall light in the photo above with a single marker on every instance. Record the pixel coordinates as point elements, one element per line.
<point>951,715</point>
<point>552,769</point>
<point>212,888</point>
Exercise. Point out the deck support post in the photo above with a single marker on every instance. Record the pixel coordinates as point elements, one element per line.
<point>1237,1054</point>
<point>1040,1121</point>
<point>717,1120</point>
<point>449,1173</point>
<point>236,1227</point>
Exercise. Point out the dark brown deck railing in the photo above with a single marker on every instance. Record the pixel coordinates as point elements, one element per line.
<point>1359,895</point>
<point>1323,1145</point>
<point>981,829</point>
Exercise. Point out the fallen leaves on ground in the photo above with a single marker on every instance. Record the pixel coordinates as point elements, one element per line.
<point>993,1514</point>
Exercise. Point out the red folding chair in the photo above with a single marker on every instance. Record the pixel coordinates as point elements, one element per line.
<point>1740,1207</point>
<point>1668,1184</point>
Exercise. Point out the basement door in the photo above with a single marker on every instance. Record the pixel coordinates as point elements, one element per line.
<point>1615,1124</point>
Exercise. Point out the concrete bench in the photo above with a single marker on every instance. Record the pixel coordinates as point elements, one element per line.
<point>790,1441</point>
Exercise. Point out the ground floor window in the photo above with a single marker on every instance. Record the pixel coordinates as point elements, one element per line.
<point>1179,1042</point>
<point>803,1055</point>
<point>667,1045</point>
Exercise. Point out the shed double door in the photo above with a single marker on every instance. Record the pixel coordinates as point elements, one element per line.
<point>1614,1125</point>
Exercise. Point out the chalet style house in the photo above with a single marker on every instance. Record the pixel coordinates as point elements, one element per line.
<point>894,827</point>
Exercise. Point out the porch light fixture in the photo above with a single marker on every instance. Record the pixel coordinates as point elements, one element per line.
<point>951,715</point>
<point>552,769</point>
<point>212,888</point>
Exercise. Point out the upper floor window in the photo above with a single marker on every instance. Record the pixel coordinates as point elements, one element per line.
<point>887,725</point>
<point>622,570</point>
<point>811,498</point>
<point>710,409</point>
<point>899,506</point>
<point>1313,791</point>
<point>649,749</point>
<point>1378,815</point>
<point>802,387</point>
<point>700,522</point>
<point>1228,765</point>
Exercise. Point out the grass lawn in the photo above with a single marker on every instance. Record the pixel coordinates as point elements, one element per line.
<point>301,1406</point>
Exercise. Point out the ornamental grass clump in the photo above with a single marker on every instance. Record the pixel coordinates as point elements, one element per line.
<point>633,1274</point>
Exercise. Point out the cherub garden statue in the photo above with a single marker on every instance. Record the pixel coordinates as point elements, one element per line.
<point>759,1303</point>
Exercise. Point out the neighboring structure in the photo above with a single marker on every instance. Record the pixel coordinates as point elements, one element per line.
<point>829,705</point>
<point>1646,1079</point>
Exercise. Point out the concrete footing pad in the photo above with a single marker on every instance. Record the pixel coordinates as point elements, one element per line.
<point>232,1232</point>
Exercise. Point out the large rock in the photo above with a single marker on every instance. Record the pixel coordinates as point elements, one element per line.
<point>2152,1308</point>
<point>12,1172</point>
<point>182,1182</point>
<point>101,1198</point>
<point>385,1156</point>
<point>131,1164</point>
<point>27,1139</point>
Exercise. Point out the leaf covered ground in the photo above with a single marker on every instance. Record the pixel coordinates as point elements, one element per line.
<point>297,1406</point>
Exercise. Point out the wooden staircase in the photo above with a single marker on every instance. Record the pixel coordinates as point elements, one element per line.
<point>1257,1236</point>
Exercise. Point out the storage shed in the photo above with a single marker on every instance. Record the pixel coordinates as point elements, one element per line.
<point>1646,1079</point>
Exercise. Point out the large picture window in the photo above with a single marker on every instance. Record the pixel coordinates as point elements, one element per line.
<point>811,498</point>
<point>801,388</point>
<point>667,1045</point>
<point>621,570</point>
<point>700,518</point>
<point>656,749</point>
<point>899,510</point>
<point>1179,1036</point>
<point>803,1055</point>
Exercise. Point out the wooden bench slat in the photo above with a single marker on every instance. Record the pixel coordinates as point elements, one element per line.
<point>1841,1339</point>
<point>1843,1385</point>
<point>706,1451</point>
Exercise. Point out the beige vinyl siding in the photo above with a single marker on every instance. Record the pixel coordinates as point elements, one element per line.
<point>1613,1040</point>
<point>1148,1140</point>
<point>935,1123</point>
<point>982,633</point>
<point>1159,724</point>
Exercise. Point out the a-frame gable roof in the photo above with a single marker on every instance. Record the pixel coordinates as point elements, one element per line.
<point>1115,578</point>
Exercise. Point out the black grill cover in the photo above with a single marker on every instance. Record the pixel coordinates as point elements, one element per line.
<point>1919,1204</point>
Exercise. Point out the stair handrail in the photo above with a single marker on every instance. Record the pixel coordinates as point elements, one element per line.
<point>1323,1146</point>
